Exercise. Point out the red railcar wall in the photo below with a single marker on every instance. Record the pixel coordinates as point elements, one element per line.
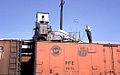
<point>77,59</point>
<point>6,46</point>
<point>4,61</point>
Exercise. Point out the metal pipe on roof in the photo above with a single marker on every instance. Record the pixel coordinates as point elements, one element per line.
<point>61,14</point>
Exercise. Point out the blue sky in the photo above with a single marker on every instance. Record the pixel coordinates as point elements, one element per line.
<point>17,17</point>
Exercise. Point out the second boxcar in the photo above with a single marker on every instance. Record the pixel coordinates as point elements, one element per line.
<point>9,57</point>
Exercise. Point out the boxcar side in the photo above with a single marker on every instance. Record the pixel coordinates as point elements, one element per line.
<point>77,59</point>
<point>9,57</point>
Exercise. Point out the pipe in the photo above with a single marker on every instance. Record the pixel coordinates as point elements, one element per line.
<point>61,15</point>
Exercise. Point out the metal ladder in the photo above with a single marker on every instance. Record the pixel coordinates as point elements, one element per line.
<point>14,58</point>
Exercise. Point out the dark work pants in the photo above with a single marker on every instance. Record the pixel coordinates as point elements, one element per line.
<point>89,36</point>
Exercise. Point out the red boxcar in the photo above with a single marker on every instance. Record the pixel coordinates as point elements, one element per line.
<point>53,58</point>
<point>9,57</point>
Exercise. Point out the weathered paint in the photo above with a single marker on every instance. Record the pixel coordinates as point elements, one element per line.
<point>77,59</point>
<point>8,46</point>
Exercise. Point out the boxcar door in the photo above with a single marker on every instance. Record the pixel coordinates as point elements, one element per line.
<point>71,59</point>
<point>110,59</point>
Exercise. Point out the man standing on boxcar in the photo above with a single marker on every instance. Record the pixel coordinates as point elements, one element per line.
<point>88,31</point>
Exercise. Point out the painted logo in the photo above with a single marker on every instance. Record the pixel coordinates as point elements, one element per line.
<point>82,52</point>
<point>56,50</point>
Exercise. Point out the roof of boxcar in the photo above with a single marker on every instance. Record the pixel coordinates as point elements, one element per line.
<point>83,42</point>
<point>15,39</point>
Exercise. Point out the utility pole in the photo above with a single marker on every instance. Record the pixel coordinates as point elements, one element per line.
<point>61,14</point>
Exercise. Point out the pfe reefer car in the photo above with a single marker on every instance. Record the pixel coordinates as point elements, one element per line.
<point>55,58</point>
